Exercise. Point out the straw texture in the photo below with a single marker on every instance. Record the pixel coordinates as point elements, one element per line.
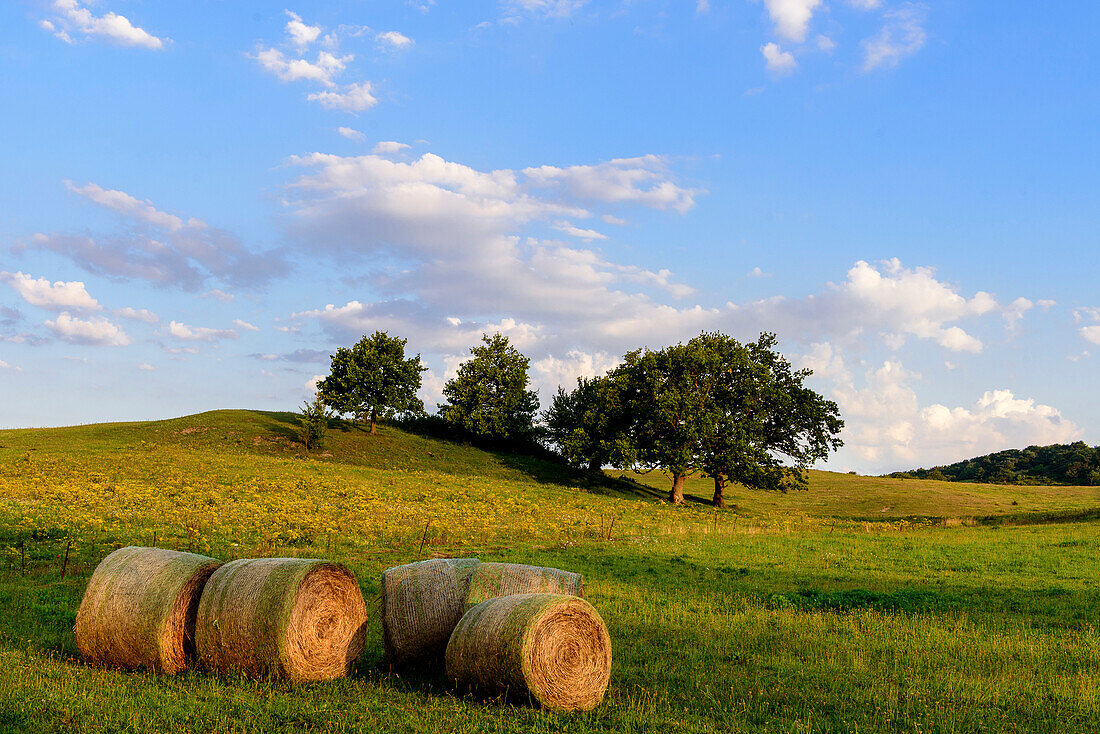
<point>138,610</point>
<point>294,618</point>
<point>421,604</point>
<point>490,580</point>
<point>553,647</point>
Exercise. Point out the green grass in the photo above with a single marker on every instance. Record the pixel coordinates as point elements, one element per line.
<point>839,609</point>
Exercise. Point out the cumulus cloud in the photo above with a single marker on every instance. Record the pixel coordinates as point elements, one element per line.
<point>198,333</point>
<point>1090,333</point>
<point>394,39</point>
<point>351,133</point>
<point>456,237</point>
<point>96,331</point>
<point>143,315</point>
<point>245,325</point>
<point>781,62</point>
<point>70,17</point>
<point>643,180</point>
<point>388,147</point>
<point>161,248</point>
<point>289,69</point>
<point>56,296</point>
<point>887,426</point>
<point>901,35</point>
<point>352,98</point>
<point>128,206</point>
<point>146,367</point>
<point>301,34</point>
<point>574,231</point>
<point>291,64</point>
<point>551,371</point>
<point>792,17</point>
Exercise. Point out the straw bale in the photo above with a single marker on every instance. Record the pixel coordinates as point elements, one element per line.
<point>490,580</point>
<point>138,610</point>
<point>552,647</point>
<point>421,604</point>
<point>294,618</point>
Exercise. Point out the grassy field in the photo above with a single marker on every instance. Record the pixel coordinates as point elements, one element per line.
<point>861,605</point>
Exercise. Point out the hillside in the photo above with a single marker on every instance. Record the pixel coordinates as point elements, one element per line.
<point>1073,464</point>
<point>863,604</point>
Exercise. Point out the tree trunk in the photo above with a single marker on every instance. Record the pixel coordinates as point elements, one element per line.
<point>373,421</point>
<point>676,496</point>
<point>719,491</point>
<point>594,466</point>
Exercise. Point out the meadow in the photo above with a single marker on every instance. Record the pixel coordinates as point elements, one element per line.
<point>861,605</point>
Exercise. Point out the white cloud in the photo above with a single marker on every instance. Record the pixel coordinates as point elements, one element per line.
<point>826,44</point>
<point>198,333</point>
<point>56,296</point>
<point>159,247</point>
<point>887,426</point>
<point>351,133</point>
<point>1090,333</point>
<point>781,62</point>
<point>642,180</point>
<point>146,367</point>
<point>902,35</point>
<point>128,206</point>
<point>758,272</point>
<point>1046,304</point>
<point>70,17</point>
<point>585,234</point>
<point>394,39</point>
<point>220,295</point>
<point>300,33</point>
<point>791,17</point>
<point>311,383</point>
<point>245,325</point>
<point>96,331</point>
<point>5,366</point>
<point>353,98</point>
<point>611,219</point>
<point>322,70</point>
<point>543,8</point>
<point>1086,313</point>
<point>387,147</point>
<point>1014,313</point>
<point>458,234</point>
<point>550,372</point>
<point>134,314</point>
<point>702,6</point>
<point>864,4</point>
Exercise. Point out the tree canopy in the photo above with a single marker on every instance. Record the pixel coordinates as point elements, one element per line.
<point>488,397</point>
<point>373,378</point>
<point>735,412</point>
<point>1073,463</point>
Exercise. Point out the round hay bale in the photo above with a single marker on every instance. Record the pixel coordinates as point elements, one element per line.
<point>294,618</point>
<point>490,580</point>
<point>421,604</point>
<point>553,647</point>
<point>138,610</point>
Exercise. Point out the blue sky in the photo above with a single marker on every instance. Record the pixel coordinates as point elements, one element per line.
<point>202,200</point>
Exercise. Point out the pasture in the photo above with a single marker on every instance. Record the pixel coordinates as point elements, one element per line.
<point>861,605</point>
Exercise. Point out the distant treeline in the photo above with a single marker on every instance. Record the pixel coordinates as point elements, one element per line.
<point>1074,463</point>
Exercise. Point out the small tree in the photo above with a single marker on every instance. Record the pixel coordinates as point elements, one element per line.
<point>314,416</point>
<point>374,379</point>
<point>489,396</point>
<point>586,424</point>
